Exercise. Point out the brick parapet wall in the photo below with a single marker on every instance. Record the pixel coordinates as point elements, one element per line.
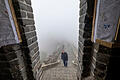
<point>22,61</point>
<point>85,30</point>
<point>25,18</point>
<point>107,60</point>
<point>13,63</point>
<point>96,60</point>
<point>95,49</point>
<point>102,61</point>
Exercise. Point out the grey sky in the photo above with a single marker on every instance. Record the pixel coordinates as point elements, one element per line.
<point>56,19</point>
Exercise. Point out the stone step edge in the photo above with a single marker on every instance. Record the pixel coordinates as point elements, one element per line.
<point>50,64</point>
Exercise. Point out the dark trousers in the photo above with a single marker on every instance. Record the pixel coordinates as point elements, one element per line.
<point>65,63</point>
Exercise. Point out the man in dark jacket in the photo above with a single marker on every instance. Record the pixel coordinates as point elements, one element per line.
<point>64,57</point>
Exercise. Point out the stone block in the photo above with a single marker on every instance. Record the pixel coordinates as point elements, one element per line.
<point>11,48</point>
<point>85,34</point>
<point>101,67</point>
<point>82,18</point>
<point>20,14</point>
<point>32,46</point>
<point>99,75</point>
<point>28,2</point>
<point>30,15</point>
<point>23,72</point>
<point>25,22</point>
<point>30,35</point>
<point>35,61</point>
<point>21,6</point>
<point>35,56</point>
<point>85,27</point>
<point>83,9</point>
<point>102,58</point>
<point>104,50</point>
<point>82,2</point>
<point>11,56</point>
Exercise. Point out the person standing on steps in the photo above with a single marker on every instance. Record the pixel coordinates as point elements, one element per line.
<point>64,57</point>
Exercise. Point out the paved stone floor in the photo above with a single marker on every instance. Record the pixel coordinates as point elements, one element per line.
<point>60,72</point>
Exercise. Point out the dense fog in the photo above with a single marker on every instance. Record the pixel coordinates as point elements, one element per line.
<point>56,21</point>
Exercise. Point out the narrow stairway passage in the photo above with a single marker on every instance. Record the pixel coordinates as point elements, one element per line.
<point>60,72</point>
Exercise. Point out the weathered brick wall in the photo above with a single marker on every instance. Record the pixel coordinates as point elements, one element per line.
<point>102,60</point>
<point>12,65</point>
<point>93,61</point>
<point>107,63</point>
<point>22,61</point>
<point>29,46</point>
<point>85,44</point>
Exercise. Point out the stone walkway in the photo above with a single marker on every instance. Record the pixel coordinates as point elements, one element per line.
<point>60,72</point>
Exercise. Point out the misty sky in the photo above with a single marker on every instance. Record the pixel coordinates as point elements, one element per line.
<point>56,20</point>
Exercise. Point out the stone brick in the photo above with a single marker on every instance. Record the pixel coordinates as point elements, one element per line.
<point>82,2</point>
<point>11,56</point>
<point>11,48</point>
<point>99,75</point>
<point>30,34</point>
<point>104,50</point>
<point>21,6</point>
<point>83,9</point>
<point>82,18</point>
<point>25,22</point>
<point>28,28</point>
<point>101,67</point>
<point>35,56</point>
<point>35,61</point>
<point>84,34</point>
<point>28,2</point>
<point>86,42</point>
<point>21,14</point>
<point>15,71</point>
<point>30,15</point>
<point>30,41</point>
<point>81,46</point>
<point>23,71</point>
<point>103,58</point>
<point>34,45</point>
<point>85,27</point>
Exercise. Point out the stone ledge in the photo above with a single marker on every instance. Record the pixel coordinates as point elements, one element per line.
<point>74,63</point>
<point>46,66</point>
